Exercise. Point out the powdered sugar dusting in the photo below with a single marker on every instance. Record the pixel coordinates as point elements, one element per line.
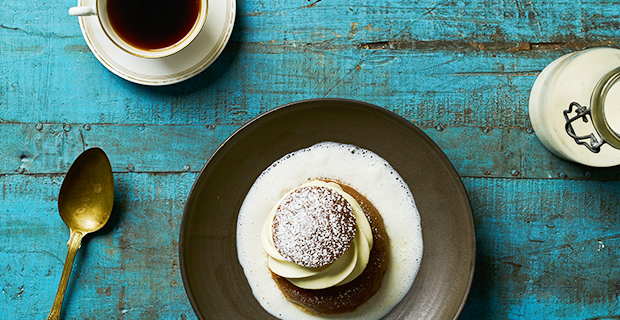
<point>313,226</point>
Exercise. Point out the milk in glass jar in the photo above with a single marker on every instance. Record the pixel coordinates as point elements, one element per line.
<point>575,107</point>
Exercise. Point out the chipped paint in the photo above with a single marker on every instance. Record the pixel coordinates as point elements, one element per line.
<point>353,30</point>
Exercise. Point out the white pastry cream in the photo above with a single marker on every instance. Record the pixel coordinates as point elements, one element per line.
<point>343,270</point>
<point>368,174</point>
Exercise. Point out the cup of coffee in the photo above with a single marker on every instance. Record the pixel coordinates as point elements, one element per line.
<point>148,28</point>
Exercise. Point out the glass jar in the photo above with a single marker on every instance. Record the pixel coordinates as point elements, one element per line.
<point>575,107</point>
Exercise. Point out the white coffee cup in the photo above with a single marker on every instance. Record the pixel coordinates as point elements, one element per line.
<point>100,10</point>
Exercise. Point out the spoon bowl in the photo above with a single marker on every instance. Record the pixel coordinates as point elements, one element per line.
<point>84,203</point>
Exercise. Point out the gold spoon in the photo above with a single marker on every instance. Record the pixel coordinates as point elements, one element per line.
<point>85,203</point>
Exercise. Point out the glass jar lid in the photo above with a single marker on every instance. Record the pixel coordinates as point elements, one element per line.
<point>599,104</point>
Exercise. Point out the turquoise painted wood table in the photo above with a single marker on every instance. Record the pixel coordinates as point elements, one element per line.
<point>547,230</point>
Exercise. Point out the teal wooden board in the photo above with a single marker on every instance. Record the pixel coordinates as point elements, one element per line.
<point>547,229</point>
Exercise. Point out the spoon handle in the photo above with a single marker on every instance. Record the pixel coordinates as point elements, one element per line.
<point>74,244</point>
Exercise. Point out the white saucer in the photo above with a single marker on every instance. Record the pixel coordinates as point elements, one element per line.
<point>180,66</point>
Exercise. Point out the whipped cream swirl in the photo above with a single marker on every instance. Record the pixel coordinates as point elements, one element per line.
<point>343,270</point>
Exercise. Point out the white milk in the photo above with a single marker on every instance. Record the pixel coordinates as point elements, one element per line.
<point>371,176</point>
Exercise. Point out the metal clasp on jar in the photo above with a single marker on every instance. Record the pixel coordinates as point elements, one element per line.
<point>582,113</point>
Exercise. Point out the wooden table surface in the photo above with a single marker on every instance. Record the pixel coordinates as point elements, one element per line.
<point>547,230</point>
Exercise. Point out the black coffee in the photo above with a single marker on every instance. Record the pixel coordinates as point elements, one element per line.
<point>152,24</point>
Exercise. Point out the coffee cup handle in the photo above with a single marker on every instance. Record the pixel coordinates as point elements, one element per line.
<point>82,11</point>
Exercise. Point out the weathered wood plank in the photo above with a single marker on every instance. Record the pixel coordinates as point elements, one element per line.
<point>474,151</point>
<point>51,148</point>
<point>442,88</point>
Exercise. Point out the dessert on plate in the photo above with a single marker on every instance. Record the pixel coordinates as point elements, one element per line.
<point>330,231</point>
<point>320,241</point>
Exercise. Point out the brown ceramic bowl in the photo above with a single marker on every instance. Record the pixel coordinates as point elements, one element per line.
<point>213,278</point>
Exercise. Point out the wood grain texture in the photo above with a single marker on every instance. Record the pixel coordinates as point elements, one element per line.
<point>459,69</point>
<point>546,249</point>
